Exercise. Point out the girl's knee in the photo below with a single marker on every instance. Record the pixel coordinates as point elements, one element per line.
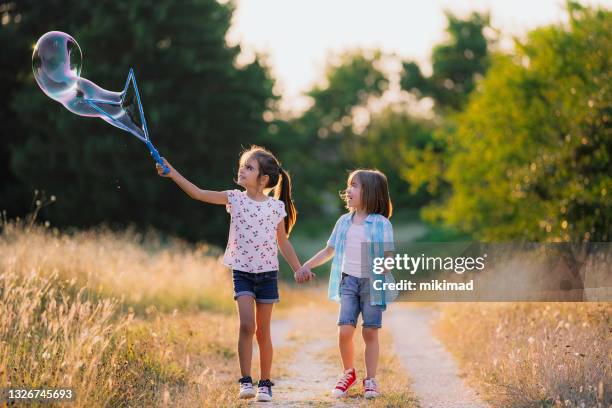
<point>263,332</point>
<point>345,332</point>
<point>369,334</point>
<point>247,328</point>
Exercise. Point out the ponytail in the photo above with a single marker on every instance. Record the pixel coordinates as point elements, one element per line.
<point>283,193</point>
<point>279,180</point>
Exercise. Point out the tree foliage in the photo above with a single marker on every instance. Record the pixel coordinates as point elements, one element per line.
<point>318,143</point>
<point>456,64</point>
<point>390,141</point>
<point>531,155</point>
<point>200,109</point>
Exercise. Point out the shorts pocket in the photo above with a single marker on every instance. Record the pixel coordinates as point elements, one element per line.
<point>349,285</point>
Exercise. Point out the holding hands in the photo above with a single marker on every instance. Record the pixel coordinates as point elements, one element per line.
<point>304,274</point>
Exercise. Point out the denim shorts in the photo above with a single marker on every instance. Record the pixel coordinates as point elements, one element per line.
<point>355,299</point>
<point>263,286</point>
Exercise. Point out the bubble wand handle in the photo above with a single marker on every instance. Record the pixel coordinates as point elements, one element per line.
<point>156,156</point>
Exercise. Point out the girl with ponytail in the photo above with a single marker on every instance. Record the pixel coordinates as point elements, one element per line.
<point>259,225</point>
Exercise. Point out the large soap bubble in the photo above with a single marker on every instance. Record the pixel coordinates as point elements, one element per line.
<point>57,63</point>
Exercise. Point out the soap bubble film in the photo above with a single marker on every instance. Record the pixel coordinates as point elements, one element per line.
<point>57,62</point>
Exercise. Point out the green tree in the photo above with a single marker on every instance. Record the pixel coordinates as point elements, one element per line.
<point>200,109</point>
<point>531,156</point>
<point>389,142</point>
<point>456,64</point>
<point>318,143</point>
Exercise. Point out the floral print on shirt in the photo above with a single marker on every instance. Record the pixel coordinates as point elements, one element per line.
<point>251,245</point>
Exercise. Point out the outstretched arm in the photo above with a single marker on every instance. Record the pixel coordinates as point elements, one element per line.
<point>305,273</point>
<point>193,191</point>
<point>320,257</point>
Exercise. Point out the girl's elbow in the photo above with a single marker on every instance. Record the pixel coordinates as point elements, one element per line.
<point>283,242</point>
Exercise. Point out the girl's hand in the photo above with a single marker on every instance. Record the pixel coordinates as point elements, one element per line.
<point>160,169</point>
<point>304,274</point>
<point>310,276</point>
<point>297,275</point>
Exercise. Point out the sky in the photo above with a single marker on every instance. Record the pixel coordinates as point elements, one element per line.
<point>299,36</point>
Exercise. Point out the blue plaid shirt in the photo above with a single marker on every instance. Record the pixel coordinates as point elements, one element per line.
<point>379,234</point>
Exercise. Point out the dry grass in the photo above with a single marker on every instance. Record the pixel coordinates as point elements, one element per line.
<point>533,354</point>
<point>51,339</point>
<point>179,361</point>
<point>83,311</point>
<point>137,269</point>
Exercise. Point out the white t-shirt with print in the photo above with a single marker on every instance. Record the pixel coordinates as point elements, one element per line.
<point>251,245</point>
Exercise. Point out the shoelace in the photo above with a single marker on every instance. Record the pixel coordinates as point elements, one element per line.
<point>265,383</point>
<point>265,387</point>
<point>370,385</point>
<point>245,380</point>
<point>344,380</point>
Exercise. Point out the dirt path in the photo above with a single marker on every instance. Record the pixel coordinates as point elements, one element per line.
<point>302,349</point>
<point>311,373</point>
<point>436,376</point>
<point>313,380</point>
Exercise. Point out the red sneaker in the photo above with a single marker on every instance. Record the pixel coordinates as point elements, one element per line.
<point>345,382</point>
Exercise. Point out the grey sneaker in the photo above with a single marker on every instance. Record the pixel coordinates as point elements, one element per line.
<point>246,388</point>
<point>370,388</point>
<point>264,390</point>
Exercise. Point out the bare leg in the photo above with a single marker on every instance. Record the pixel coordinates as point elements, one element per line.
<point>264,340</point>
<point>346,346</point>
<point>370,338</point>
<point>247,330</point>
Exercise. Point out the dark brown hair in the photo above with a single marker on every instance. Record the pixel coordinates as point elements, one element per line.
<point>278,179</point>
<point>374,191</point>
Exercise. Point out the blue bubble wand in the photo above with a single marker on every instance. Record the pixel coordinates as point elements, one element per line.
<point>56,62</point>
<point>94,103</point>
